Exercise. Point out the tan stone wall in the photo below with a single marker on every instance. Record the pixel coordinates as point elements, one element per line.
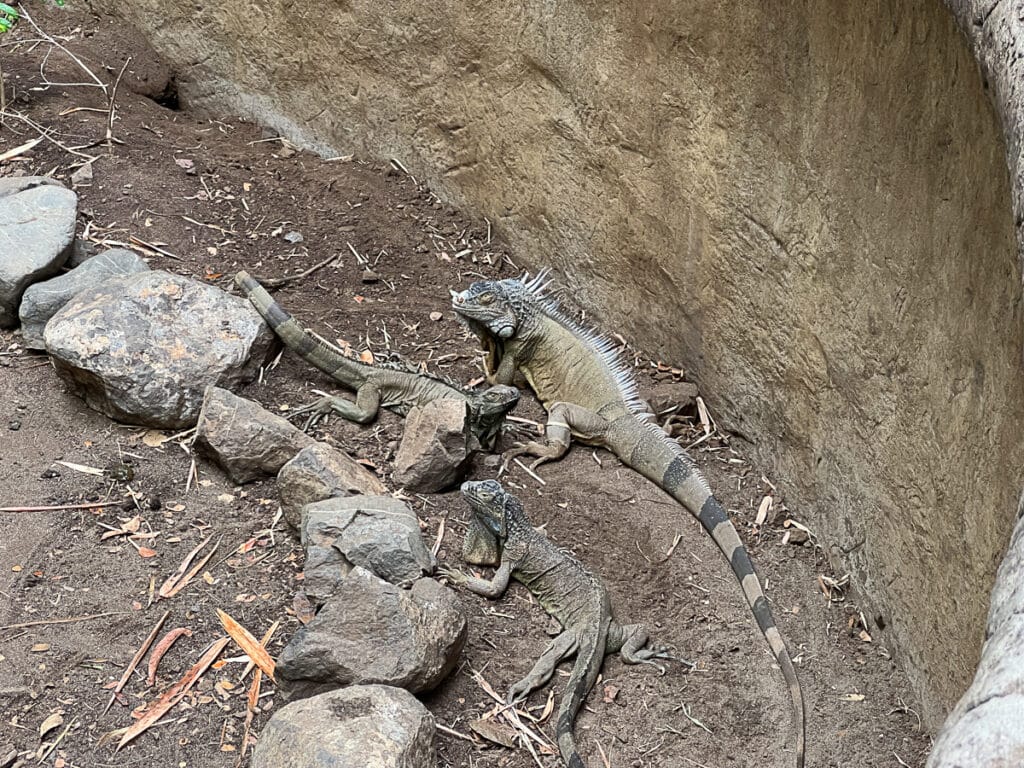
<point>806,204</point>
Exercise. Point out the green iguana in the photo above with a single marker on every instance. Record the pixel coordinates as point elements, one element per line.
<point>565,589</point>
<point>379,386</point>
<point>590,396</point>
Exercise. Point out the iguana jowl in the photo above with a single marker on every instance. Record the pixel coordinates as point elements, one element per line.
<point>564,588</point>
<point>590,396</point>
<point>378,386</point>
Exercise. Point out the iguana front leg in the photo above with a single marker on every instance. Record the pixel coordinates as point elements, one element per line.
<point>362,411</point>
<point>564,421</point>
<point>492,589</point>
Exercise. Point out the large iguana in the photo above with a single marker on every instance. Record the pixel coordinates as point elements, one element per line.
<point>590,396</point>
<point>564,588</point>
<point>380,386</point>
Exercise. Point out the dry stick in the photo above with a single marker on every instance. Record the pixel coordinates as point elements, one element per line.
<point>55,44</point>
<point>57,507</point>
<point>135,661</point>
<point>12,153</point>
<point>139,241</point>
<point>277,282</point>
<point>43,132</point>
<point>453,732</point>
<point>110,102</point>
<point>70,620</point>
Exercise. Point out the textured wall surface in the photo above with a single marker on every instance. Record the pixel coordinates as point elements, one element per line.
<point>810,211</point>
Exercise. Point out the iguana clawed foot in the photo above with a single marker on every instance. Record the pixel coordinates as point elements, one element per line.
<point>540,450</point>
<point>454,575</point>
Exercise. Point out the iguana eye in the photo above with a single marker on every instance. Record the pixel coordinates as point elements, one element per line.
<point>486,496</point>
<point>487,298</point>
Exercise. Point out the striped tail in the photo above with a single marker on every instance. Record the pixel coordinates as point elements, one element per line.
<point>582,678</point>
<point>665,463</point>
<point>305,344</point>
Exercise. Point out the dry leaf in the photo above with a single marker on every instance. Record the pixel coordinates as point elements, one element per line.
<point>852,697</point>
<point>435,316</point>
<point>161,649</point>
<point>40,648</point>
<point>174,694</point>
<point>53,721</point>
<point>81,468</point>
<point>610,692</point>
<point>763,510</point>
<point>366,356</point>
<point>147,552</point>
<point>249,644</point>
<point>499,733</point>
<point>304,611</point>
<point>226,498</point>
<point>154,438</point>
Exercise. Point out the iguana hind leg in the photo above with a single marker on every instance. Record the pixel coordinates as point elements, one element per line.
<point>362,411</point>
<point>633,645</point>
<point>564,421</point>
<point>562,647</point>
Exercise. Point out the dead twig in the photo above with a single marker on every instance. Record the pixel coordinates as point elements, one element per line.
<point>69,620</point>
<point>59,507</point>
<point>277,282</point>
<point>456,734</point>
<point>110,103</point>
<point>135,661</point>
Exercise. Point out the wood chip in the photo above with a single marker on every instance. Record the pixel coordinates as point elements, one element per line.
<point>249,644</point>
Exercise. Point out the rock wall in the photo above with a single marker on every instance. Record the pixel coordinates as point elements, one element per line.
<point>809,210</point>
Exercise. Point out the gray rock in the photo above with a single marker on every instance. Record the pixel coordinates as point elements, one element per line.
<point>36,231</point>
<point>378,533</point>
<point>42,300</point>
<point>374,632</point>
<point>319,472</point>
<point>434,452</point>
<point>364,726</point>
<point>244,438</point>
<point>143,348</point>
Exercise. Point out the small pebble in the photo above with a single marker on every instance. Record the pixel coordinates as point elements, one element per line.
<point>14,426</point>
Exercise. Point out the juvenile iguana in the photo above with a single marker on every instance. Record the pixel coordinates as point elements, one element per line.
<point>565,589</point>
<point>591,396</point>
<point>379,386</point>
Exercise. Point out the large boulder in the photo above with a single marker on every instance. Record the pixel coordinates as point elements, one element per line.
<point>370,631</point>
<point>434,452</point>
<point>378,533</point>
<point>364,726</point>
<point>41,301</point>
<point>37,228</point>
<point>244,438</point>
<point>319,472</point>
<point>143,348</point>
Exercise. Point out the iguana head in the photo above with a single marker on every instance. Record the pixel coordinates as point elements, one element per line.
<point>487,411</point>
<point>501,307</point>
<point>492,507</point>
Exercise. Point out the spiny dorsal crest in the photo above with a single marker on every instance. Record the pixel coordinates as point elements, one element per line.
<point>605,349</point>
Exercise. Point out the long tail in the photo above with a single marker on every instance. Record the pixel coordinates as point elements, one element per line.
<point>305,344</point>
<point>665,463</point>
<point>582,678</point>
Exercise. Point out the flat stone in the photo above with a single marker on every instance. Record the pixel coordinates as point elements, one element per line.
<point>378,533</point>
<point>245,439</point>
<point>434,452</point>
<point>370,631</point>
<point>319,472</point>
<point>363,726</point>
<point>143,348</point>
<point>37,229</point>
<point>43,300</point>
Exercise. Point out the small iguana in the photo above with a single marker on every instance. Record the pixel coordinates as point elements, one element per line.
<point>379,386</point>
<point>590,396</point>
<point>565,589</point>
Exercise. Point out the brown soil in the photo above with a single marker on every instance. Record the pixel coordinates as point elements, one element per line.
<point>231,209</point>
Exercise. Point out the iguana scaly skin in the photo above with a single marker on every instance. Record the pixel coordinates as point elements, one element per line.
<point>565,589</point>
<point>590,396</point>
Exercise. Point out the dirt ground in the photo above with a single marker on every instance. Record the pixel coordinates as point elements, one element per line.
<point>221,194</point>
